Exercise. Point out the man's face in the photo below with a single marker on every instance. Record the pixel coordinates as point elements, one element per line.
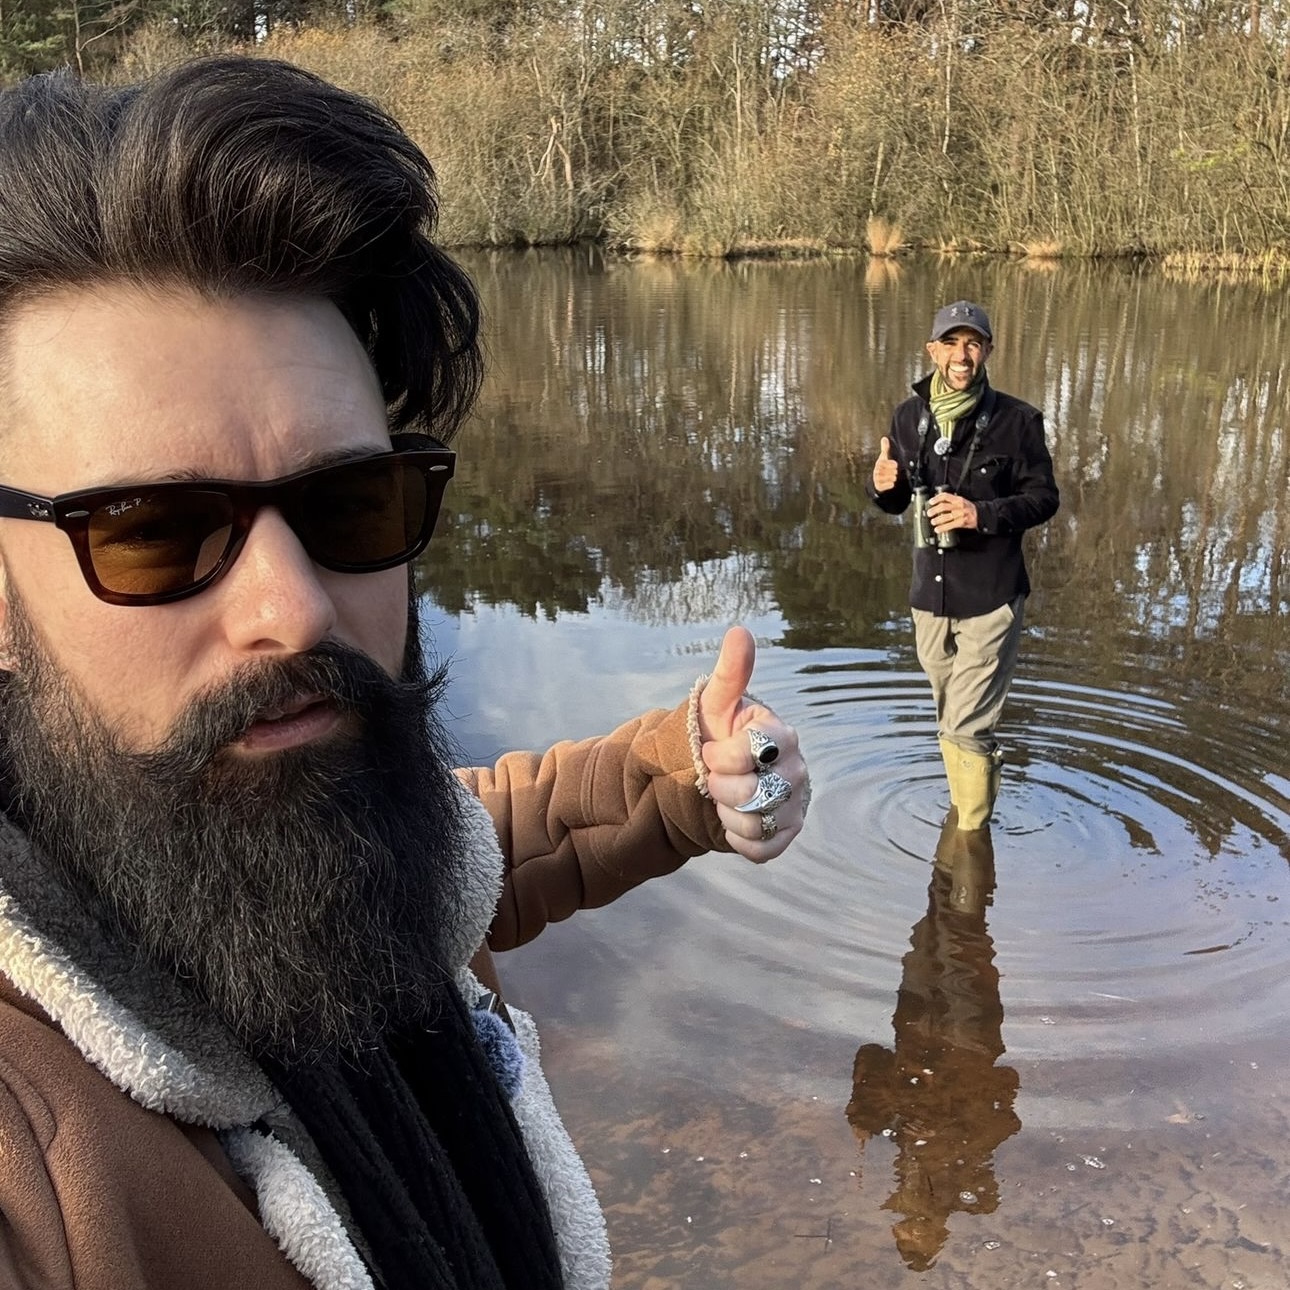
<point>249,787</point>
<point>959,356</point>
<point>114,385</point>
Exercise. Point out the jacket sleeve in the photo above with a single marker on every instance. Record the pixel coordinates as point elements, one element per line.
<point>1033,497</point>
<point>584,822</point>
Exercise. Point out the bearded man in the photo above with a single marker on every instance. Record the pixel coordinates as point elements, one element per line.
<point>250,1032</point>
<point>974,462</point>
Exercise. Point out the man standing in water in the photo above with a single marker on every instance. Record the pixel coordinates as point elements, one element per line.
<point>974,463</point>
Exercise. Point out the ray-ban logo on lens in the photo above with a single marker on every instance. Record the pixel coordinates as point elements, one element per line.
<point>120,508</point>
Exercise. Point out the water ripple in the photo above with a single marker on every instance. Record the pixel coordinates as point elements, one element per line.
<point>1141,849</point>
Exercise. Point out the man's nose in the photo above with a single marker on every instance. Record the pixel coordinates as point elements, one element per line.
<point>275,600</point>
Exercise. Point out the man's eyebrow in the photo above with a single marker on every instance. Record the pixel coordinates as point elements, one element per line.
<point>190,475</point>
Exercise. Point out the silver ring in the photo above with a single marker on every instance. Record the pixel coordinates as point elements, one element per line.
<point>772,790</point>
<point>768,826</point>
<point>764,748</point>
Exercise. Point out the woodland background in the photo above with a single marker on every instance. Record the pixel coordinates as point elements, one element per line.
<point>1045,128</point>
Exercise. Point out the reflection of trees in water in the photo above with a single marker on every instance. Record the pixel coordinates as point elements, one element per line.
<point>1173,456</point>
<point>632,447</point>
<point>937,1093</point>
<point>729,589</point>
<point>644,420</point>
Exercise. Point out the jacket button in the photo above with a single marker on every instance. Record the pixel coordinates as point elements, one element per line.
<point>938,577</point>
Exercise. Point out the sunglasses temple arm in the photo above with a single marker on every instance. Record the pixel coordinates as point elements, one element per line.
<point>17,505</point>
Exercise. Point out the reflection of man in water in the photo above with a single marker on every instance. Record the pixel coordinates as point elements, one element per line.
<point>980,456</point>
<point>938,1095</point>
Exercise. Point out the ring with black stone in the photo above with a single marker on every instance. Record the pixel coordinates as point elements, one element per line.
<point>764,748</point>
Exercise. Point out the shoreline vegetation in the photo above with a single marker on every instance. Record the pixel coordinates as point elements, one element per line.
<point>1155,131</point>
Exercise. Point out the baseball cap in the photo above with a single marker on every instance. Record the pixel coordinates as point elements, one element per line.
<point>962,313</point>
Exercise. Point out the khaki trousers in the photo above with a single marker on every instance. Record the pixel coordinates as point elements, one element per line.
<point>970,663</point>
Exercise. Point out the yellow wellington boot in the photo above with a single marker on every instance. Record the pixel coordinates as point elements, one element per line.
<point>950,755</point>
<point>974,784</point>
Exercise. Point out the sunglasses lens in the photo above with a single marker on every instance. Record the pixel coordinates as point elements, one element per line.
<point>364,514</point>
<point>157,545</point>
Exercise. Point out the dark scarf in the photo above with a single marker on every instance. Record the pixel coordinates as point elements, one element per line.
<point>423,1144</point>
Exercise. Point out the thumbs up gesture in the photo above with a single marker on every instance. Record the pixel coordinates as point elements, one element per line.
<point>885,469</point>
<point>744,745</point>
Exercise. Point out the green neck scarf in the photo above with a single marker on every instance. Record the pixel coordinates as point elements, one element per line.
<point>949,406</point>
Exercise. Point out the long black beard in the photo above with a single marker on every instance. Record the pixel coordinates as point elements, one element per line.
<point>304,895</point>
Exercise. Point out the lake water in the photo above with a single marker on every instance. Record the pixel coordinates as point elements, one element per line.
<point>1060,1065</point>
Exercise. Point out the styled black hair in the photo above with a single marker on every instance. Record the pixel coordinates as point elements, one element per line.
<point>234,175</point>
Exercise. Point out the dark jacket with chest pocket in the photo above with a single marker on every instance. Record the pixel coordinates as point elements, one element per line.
<point>1009,477</point>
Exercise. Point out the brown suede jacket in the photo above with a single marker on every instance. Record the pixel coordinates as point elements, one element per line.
<point>134,1152</point>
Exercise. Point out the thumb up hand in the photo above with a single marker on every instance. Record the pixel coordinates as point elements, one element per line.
<point>885,469</point>
<point>740,740</point>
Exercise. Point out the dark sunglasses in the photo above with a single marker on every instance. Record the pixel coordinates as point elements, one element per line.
<point>149,544</point>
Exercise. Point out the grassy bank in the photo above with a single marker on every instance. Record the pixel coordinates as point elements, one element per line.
<point>968,130</point>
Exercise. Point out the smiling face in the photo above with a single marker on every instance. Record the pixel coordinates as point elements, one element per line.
<point>959,356</point>
<point>116,384</point>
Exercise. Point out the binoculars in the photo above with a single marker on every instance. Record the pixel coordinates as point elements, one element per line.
<point>924,535</point>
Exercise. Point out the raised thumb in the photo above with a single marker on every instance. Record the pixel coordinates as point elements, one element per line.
<point>719,701</point>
